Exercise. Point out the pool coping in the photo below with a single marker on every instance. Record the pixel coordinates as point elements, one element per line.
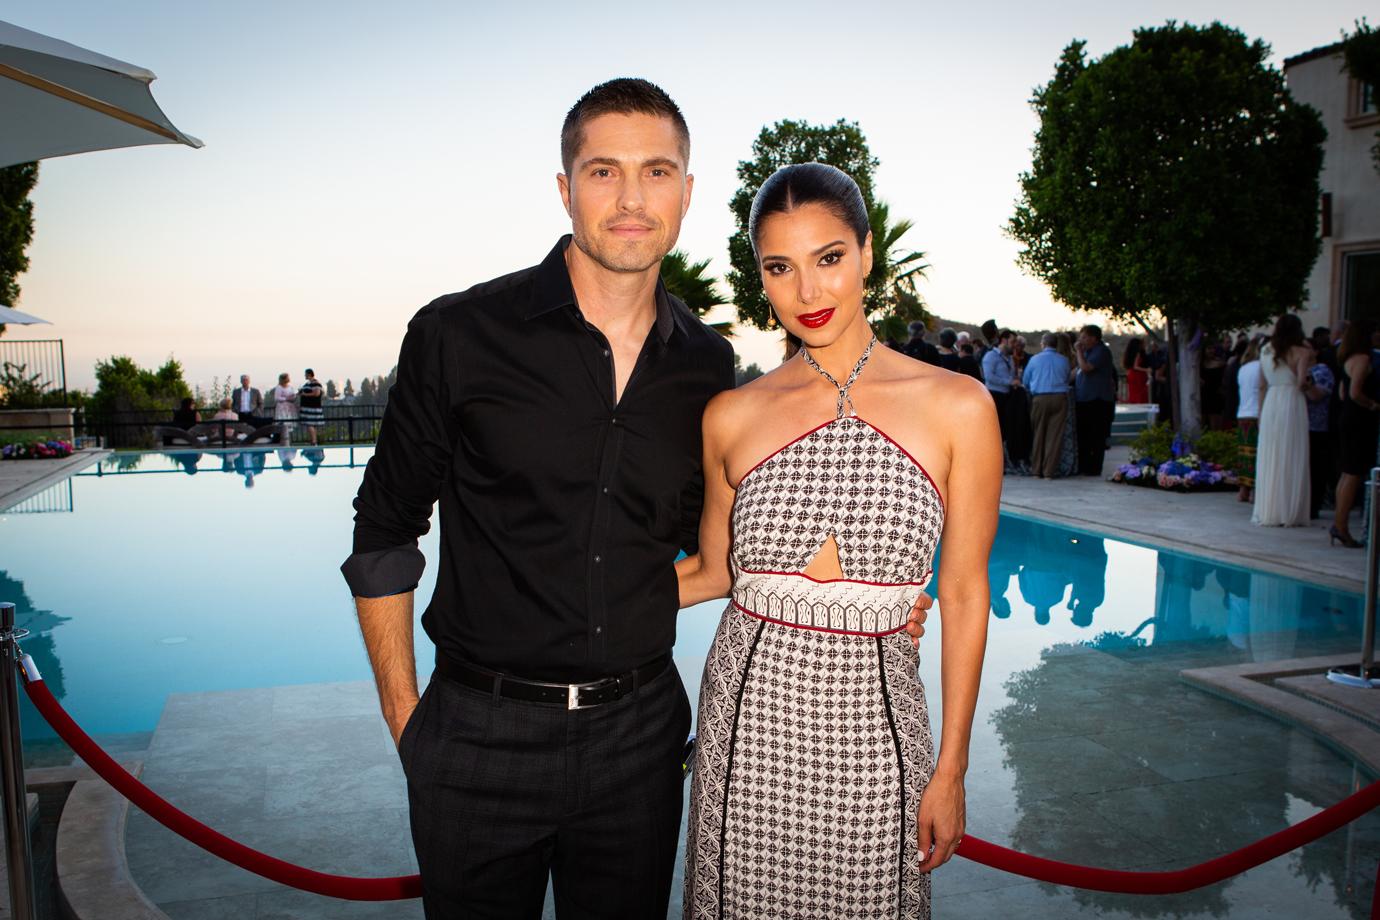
<point>1185,548</point>
<point>1350,733</point>
<point>93,877</point>
<point>47,473</point>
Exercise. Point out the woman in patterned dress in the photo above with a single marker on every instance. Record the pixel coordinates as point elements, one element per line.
<point>816,790</point>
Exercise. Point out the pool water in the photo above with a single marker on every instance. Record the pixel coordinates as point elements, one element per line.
<point>157,573</point>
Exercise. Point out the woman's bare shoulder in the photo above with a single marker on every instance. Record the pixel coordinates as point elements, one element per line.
<point>731,410</point>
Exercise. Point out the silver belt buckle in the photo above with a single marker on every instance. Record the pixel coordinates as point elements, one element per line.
<point>572,698</point>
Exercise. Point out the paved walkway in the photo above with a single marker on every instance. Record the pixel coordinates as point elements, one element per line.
<point>21,479</point>
<point>1211,524</point>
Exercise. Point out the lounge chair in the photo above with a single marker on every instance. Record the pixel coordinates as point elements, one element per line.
<point>223,432</point>
<point>171,435</point>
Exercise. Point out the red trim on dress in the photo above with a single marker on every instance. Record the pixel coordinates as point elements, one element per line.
<point>853,581</point>
<point>839,632</point>
<point>918,464</point>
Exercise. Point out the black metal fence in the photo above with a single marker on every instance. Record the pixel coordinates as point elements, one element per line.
<point>353,424</point>
<point>36,365</point>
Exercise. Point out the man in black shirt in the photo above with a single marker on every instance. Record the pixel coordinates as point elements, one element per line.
<point>554,414</point>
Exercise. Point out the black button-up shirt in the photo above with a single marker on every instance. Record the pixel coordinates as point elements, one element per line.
<point>562,512</point>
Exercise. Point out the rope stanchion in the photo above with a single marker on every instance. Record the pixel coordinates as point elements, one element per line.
<point>1174,881</point>
<point>155,806</point>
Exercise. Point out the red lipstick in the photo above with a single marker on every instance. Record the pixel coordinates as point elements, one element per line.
<point>817,319</point>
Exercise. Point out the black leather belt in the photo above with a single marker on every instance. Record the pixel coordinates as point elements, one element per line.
<point>571,696</point>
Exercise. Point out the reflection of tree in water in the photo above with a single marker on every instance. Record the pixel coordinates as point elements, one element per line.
<point>124,462</point>
<point>39,645</point>
<point>1054,693</point>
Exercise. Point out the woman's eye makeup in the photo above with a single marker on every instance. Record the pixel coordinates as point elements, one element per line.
<point>832,257</point>
<point>775,268</point>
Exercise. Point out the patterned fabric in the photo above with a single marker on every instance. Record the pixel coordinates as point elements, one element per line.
<point>814,737</point>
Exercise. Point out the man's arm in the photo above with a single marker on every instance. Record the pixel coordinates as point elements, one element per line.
<point>386,623</point>
<point>393,508</point>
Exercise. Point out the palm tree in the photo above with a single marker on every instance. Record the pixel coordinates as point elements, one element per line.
<point>687,281</point>
<point>893,301</point>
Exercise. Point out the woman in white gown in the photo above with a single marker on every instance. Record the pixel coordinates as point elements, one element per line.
<point>1281,471</point>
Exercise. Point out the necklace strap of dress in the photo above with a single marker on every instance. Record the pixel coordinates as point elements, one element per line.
<point>844,398</point>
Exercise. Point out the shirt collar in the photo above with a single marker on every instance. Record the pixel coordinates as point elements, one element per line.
<point>552,289</point>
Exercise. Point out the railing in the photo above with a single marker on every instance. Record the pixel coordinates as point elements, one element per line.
<point>37,358</point>
<point>341,425</point>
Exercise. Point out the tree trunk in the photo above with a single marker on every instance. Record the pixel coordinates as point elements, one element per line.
<point>1188,401</point>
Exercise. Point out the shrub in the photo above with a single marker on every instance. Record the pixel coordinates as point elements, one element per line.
<point>1154,442</point>
<point>1219,447</point>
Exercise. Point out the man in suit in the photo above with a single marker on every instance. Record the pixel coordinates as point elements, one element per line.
<point>247,401</point>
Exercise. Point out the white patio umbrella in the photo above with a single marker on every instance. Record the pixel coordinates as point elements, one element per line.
<point>11,315</point>
<point>57,99</point>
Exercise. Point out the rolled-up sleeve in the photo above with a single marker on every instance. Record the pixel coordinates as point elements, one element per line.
<point>410,463</point>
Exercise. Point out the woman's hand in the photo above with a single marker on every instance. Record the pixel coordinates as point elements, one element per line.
<point>942,819</point>
<point>919,611</point>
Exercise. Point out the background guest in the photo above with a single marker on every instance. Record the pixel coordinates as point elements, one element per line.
<point>1137,372</point>
<point>1095,399</point>
<point>968,362</point>
<point>1250,386</point>
<point>186,416</point>
<point>1281,466</point>
<point>1358,423</point>
<point>1322,468</point>
<point>917,347</point>
<point>248,401</point>
<point>1047,381</point>
<point>1068,453</point>
<point>948,353</point>
<point>285,406</point>
<point>309,402</point>
<point>998,373</point>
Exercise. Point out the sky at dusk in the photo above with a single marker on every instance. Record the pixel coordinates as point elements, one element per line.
<point>363,158</point>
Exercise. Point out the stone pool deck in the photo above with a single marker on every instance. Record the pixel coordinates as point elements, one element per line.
<point>1210,524</point>
<point>23,479</point>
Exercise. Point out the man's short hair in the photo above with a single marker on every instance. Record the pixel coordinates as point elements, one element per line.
<point>1049,340</point>
<point>623,96</point>
<point>947,337</point>
<point>1004,334</point>
<point>1092,330</point>
<point>917,328</point>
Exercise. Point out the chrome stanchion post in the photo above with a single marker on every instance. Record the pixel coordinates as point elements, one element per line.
<point>1366,674</point>
<point>18,858</point>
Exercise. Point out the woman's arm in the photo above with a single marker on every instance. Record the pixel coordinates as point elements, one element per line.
<point>973,493</point>
<point>1358,369</point>
<point>705,575</point>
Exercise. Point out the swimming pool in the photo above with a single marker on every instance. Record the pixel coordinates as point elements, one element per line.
<point>160,573</point>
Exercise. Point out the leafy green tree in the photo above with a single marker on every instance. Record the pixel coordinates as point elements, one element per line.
<point>332,391</point>
<point>1174,176</point>
<point>349,391</point>
<point>893,300</point>
<point>689,282</point>
<point>16,227</point>
<point>841,144</point>
<point>126,392</point>
<point>366,391</point>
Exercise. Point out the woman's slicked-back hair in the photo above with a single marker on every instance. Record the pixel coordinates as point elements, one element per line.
<point>623,96</point>
<point>810,183</point>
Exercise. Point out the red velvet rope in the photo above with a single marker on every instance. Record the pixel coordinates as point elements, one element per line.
<point>209,839</point>
<point>974,848</point>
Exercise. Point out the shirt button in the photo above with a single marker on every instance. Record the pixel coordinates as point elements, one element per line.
<point>606,490</point>
<point>614,421</point>
<point>606,352</point>
<point>598,630</point>
<point>598,559</point>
